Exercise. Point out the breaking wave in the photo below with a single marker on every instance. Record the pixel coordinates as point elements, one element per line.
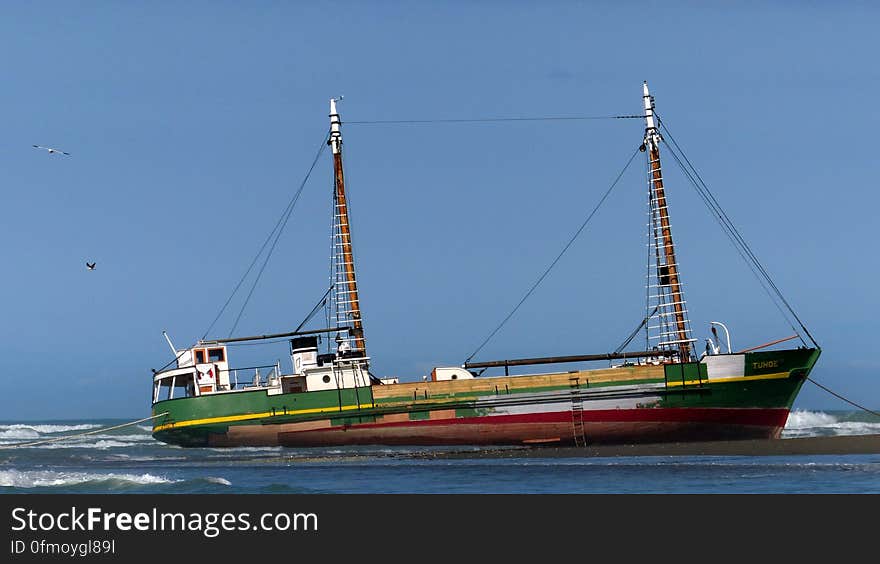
<point>100,444</point>
<point>43,429</point>
<point>19,434</point>
<point>49,478</point>
<point>110,481</point>
<point>803,423</point>
<point>82,435</point>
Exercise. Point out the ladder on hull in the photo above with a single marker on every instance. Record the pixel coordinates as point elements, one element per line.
<point>577,413</point>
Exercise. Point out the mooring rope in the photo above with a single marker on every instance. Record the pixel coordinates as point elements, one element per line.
<point>843,398</point>
<point>92,432</point>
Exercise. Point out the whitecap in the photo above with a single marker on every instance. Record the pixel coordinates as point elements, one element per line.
<point>19,434</point>
<point>803,419</point>
<point>803,423</point>
<point>855,428</point>
<point>48,478</point>
<point>101,444</point>
<point>45,429</point>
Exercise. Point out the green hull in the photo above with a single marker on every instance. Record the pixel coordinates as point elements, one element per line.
<point>679,402</point>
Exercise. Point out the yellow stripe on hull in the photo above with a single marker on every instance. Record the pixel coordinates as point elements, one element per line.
<point>250,416</point>
<point>776,376</point>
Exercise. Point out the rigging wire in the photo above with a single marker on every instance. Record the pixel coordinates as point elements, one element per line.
<point>321,303</point>
<point>175,359</point>
<point>738,240</point>
<point>276,233</point>
<point>556,260</point>
<point>732,237</point>
<point>258,343</point>
<point>486,120</point>
<point>280,229</point>
<point>746,252</point>
<point>843,398</point>
<point>635,332</point>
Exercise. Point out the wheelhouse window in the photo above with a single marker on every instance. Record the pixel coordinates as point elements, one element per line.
<point>162,390</point>
<point>216,355</point>
<point>200,356</point>
<point>174,387</point>
<point>184,387</point>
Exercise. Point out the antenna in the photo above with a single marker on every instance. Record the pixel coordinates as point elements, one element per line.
<point>170,344</point>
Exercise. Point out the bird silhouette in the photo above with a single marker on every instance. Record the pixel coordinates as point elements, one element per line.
<point>51,150</point>
<point>90,265</point>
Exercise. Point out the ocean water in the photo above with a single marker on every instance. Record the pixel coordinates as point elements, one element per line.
<point>129,460</point>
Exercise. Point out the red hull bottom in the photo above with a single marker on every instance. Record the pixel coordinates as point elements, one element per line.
<point>558,428</point>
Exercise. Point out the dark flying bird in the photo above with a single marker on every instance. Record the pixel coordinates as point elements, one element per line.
<point>51,150</point>
<point>90,265</point>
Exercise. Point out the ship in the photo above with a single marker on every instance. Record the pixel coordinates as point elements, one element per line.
<point>668,392</point>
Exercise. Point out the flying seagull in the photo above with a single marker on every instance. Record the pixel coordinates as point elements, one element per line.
<point>51,150</point>
<point>90,265</point>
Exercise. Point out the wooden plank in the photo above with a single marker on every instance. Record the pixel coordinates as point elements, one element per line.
<point>512,383</point>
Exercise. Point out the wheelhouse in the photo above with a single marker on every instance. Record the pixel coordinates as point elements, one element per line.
<point>204,370</point>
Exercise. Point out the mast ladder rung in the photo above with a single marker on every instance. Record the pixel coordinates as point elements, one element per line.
<point>668,330</point>
<point>674,312</point>
<point>654,275</point>
<point>682,342</point>
<point>667,304</point>
<point>670,313</point>
<point>665,334</point>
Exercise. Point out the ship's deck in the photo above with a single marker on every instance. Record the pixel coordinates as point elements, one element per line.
<point>405,392</point>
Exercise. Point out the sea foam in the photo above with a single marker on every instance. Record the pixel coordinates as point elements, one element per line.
<point>803,423</point>
<point>48,478</point>
<point>45,429</point>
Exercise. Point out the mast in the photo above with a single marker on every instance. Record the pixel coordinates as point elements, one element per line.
<point>348,310</point>
<point>670,303</point>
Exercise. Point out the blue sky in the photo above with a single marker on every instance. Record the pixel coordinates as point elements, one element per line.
<point>191,125</point>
